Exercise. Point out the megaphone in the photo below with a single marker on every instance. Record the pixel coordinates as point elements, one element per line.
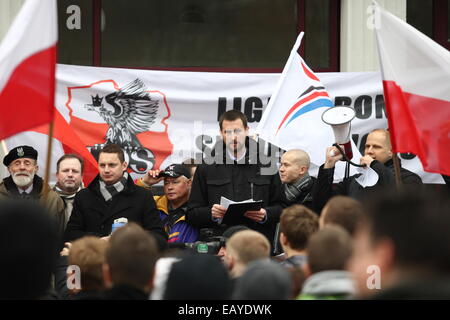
<point>339,118</point>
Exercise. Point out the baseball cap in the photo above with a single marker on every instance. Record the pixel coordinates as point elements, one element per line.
<point>175,171</point>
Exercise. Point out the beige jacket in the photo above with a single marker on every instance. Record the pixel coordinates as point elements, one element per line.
<point>53,203</point>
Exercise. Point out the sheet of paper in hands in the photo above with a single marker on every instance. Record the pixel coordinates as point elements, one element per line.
<point>368,177</point>
<point>235,210</point>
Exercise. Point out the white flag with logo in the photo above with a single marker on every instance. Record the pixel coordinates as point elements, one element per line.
<point>293,116</point>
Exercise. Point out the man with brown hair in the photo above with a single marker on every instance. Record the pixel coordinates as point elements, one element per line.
<point>110,196</point>
<point>235,171</point>
<point>343,211</point>
<point>86,255</point>
<point>297,224</point>
<point>377,155</point>
<point>69,180</point>
<point>329,250</point>
<point>402,247</point>
<point>130,264</point>
<point>244,247</point>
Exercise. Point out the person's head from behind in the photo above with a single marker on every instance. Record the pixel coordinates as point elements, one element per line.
<point>130,258</point>
<point>297,224</point>
<point>88,253</point>
<point>69,172</point>
<point>198,277</point>
<point>29,244</point>
<point>227,235</point>
<point>294,165</point>
<point>244,247</point>
<point>111,164</point>
<point>177,183</point>
<point>264,280</point>
<point>343,211</point>
<point>234,130</point>
<point>329,249</point>
<point>22,165</point>
<point>298,279</point>
<point>405,235</point>
<point>378,145</point>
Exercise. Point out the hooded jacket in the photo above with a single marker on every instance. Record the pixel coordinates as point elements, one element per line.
<point>178,230</point>
<point>328,285</point>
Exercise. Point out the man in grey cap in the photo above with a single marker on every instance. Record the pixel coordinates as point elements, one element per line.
<point>24,183</point>
<point>172,205</point>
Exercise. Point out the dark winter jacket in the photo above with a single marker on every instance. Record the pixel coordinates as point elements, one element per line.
<point>324,190</point>
<point>235,181</point>
<point>305,197</point>
<point>92,215</point>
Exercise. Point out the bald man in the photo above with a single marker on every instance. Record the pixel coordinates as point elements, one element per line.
<point>297,183</point>
<point>377,155</point>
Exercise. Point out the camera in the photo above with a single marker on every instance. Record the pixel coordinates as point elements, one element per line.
<point>207,247</point>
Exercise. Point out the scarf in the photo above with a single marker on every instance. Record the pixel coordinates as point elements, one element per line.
<point>108,192</point>
<point>68,199</point>
<point>293,191</point>
<point>66,195</point>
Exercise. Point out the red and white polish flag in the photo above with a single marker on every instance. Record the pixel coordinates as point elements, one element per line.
<point>416,83</point>
<point>27,68</point>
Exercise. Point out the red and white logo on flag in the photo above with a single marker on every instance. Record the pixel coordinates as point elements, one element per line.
<point>129,115</point>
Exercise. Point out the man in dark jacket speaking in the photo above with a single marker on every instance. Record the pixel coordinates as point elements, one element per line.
<point>377,155</point>
<point>110,196</point>
<point>235,171</point>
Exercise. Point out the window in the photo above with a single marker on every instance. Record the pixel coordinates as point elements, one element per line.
<point>431,18</point>
<point>232,35</point>
<point>419,13</point>
<point>75,36</point>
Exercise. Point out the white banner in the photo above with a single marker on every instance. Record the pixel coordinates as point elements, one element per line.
<point>164,117</point>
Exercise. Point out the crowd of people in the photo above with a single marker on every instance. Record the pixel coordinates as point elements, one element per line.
<point>309,239</point>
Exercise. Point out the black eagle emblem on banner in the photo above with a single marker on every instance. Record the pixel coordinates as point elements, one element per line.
<point>127,111</point>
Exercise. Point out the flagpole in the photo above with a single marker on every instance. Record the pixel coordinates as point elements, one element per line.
<point>398,177</point>
<point>48,161</point>
<point>5,149</point>
<point>280,82</point>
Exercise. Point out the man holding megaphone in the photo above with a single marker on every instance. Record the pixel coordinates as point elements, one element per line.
<point>377,156</point>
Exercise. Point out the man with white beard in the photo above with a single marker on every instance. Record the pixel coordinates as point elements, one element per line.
<point>24,183</point>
